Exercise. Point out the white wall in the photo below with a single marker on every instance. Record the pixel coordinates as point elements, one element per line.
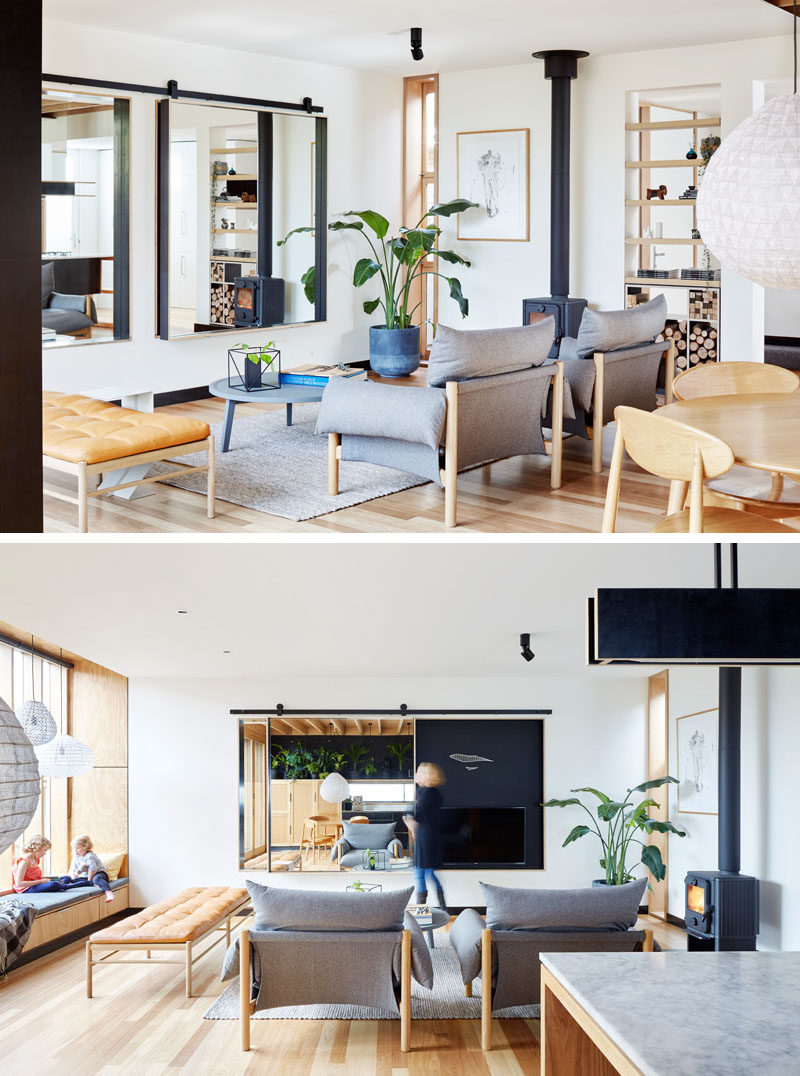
<point>506,273</point>
<point>183,768</point>
<point>364,129</point>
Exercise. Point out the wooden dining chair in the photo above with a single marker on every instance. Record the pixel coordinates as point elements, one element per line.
<point>686,456</point>
<point>744,488</point>
<point>733,378</point>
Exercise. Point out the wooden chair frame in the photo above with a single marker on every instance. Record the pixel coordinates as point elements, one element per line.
<point>190,958</point>
<point>741,378</point>
<point>449,474</point>
<point>247,1007</point>
<point>84,471</point>
<point>486,983</point>
<point>598,399</point>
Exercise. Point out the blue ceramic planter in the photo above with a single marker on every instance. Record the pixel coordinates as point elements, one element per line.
<point>394,352</point>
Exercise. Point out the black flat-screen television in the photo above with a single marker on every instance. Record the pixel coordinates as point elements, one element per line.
<point>489,836</point>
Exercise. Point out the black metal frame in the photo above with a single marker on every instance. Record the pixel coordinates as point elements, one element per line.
<point>404,711</point>
<point>162,219</point>
<point>122,219</point>
<point>34,651</point>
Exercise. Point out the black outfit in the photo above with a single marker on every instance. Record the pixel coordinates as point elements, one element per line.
<point>428,843</point>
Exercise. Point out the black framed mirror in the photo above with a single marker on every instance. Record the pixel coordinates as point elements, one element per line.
<point>86,159</point>
<point>232,183</point>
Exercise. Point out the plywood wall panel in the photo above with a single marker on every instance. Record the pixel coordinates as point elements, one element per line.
<point>100,712</point>
<point>100,808</point>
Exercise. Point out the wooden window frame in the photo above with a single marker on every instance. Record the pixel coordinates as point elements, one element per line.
<point>416,177</point>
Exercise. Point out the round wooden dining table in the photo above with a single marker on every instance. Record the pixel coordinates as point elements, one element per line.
<point>763,429</point>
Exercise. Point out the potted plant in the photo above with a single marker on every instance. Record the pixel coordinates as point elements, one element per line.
<point>257,360</point>
<point>399,261</point>
<point>622,822</point>
<point>399,752</point>
<point>277,763</point>
<point>370,769</point>
<point>296,761</point>
<point>356,755</point>
<point>369,859</point>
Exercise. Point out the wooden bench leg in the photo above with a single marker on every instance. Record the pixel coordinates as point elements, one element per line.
<point>244,987</point>
<point>405,993</point>
<point>468,990</point>
<point>598,405</point>
<point>188,969</point>
<point>88,969</point>
<point>228,931</point>
<point>557,443</point>
<point>486,990</point>
<point>212,478</point>
<point>451,456</point>
<point>334,440</point>
<point>83,499</point>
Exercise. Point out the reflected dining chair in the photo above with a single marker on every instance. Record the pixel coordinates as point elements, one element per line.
<point>686,457</point>
<point>745,488</point>
<point>316,836</point>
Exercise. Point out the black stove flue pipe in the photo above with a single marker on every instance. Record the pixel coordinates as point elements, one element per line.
<point>560,67</point>
<point>730,746</point>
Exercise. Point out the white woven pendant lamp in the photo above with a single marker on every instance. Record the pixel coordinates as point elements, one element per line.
<point>19,778</point>
<point>334,788</point>
<point>748,204</point>
<point>37,721</point>
<point>64,756</point>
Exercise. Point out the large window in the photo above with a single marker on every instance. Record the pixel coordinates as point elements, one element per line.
<point>24,676</point>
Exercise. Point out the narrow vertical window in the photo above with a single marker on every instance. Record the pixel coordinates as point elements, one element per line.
<point>421,185</point>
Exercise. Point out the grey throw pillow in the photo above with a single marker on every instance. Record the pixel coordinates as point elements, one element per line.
<point>48,283</point>
<point>607,330</point>
<point>298,909</point>
<point>605,907</point>
<point>374,835</point>
<point>463,354</point>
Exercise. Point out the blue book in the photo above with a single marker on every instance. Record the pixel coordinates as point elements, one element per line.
<point>298,377</point>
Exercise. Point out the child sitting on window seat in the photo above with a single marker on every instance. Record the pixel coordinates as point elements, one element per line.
<point>27,874</point>
<point>87,865</point>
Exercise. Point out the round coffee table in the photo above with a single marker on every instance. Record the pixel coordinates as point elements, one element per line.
<point>440,919</point>
<point>234,393</point>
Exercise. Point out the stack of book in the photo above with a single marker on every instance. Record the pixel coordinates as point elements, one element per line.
<point>312,374</point>
<point>422,914</point>
<point>48,335</point>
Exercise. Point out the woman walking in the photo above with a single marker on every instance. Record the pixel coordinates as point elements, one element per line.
<point>426,829</point>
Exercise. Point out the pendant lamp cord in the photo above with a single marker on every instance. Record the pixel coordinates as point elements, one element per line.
<point>794,42</point>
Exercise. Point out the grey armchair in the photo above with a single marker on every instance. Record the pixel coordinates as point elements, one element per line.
<point>70,315</point>
<point>522,923</point>
<point>487,396</point>
<point>616,359</point>
<point>357,837</point>
<point>310,948</point>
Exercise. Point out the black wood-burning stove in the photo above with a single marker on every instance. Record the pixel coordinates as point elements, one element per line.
<point>560,67</point>
<point>258,300</point>
<point>722,906</point>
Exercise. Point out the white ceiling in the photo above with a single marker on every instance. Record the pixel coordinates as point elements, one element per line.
<point>449,609</point>
<point>457,34</point>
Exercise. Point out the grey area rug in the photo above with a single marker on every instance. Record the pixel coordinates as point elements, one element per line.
<point>445,1001</point>
<point>283,470</point>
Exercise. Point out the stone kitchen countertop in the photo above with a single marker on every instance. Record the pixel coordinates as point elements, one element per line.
<point>681,1014</point>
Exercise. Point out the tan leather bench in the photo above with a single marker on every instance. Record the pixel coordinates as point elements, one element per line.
<point>179,923</point>
<point>87,437</point>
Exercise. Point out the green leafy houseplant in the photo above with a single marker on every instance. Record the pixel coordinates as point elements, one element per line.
<point>399,751</point>
<point>297,762</point>
<point>356,754</point>
<point>398,260</point>
<point>369,856</point>
<point>622,822</point>
<point>277,762</point>
<point>258,353</point>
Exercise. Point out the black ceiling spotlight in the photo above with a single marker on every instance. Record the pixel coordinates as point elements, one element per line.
<point>525,644</point>
<point>416,42</point>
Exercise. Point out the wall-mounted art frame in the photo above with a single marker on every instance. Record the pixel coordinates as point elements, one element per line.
<point>493,169</point>
<point>698,746</point>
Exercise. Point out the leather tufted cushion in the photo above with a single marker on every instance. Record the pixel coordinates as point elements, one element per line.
<point>179,919</point>
<point>81,430</point>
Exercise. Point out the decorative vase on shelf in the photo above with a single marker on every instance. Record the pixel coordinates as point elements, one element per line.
<point>692,154</point>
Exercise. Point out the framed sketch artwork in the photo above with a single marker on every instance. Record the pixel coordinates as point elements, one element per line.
<point>697,763</point>
<point>493,171</point>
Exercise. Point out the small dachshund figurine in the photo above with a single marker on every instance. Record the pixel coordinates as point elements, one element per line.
<point>657,192</point>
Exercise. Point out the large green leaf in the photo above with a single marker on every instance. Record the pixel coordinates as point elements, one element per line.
<point>651,857</point>
<point>664,827</point>
<point>561,803</point>
<point>309,282</point>
<point>294,231</point>
<point>657,782</point>
<point>373,220</point>
<point>595,792</point>
<point>450,256</point>
<point>606,811</point>
<point>447,209</point>
<point>371,305</point>
<point>575,834</point>
<point>421,238</point>
<point>342,225</point>
<point>365,270</point>
<point>456,293</point>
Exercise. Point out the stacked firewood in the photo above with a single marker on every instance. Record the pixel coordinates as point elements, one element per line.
<point>222,304</point>
<point>694,343</point>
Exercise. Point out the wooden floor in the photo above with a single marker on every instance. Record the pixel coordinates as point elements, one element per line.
<point>139,1023</point>
<point>512,496</point>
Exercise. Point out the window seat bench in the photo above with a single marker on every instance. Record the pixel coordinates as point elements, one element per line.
<point>60,914</point>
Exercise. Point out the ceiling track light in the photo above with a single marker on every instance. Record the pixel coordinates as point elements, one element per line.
<point>416,43</point>
<point>525,646</point>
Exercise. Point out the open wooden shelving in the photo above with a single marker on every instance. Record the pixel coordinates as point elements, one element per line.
<point>658,203</point>
<point>662,242</point>
<point>237,205</point>
<point>235,231</point>
<point>237,176</point>
<point>231,151</point>
<point>664,164</point>
<point>675,125</point>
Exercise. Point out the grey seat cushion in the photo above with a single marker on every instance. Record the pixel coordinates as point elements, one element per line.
<point>367,409</point>
<point>607,330</point>
<point>298,909</point>
<point>607,907</point>
<point>461,354</point>
<point>368,834</point>
<point>48,902</point>
<point>65,321</point>
<point>784,355</point>
<point>48,283</point>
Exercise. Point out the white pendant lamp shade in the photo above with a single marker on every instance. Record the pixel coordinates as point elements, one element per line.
<point>334,788</point>
<point>748,203</point>
<point>64,756</point>
<point>37,722</point>
<point>19,778</point>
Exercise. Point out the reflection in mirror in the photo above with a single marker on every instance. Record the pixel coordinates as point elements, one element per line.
<point>85,218</point>
<point>234,181</point>
<point>338,791</point>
